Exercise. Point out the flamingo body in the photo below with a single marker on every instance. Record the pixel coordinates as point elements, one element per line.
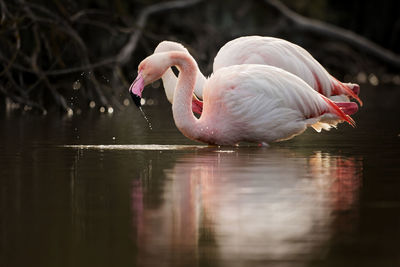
<point>262,104</point>
<point>250,102</point>
<point>288,56</point>
<point>267,51</point>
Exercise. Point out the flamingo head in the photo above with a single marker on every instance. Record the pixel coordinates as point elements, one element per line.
<point>167,46</point>
<point>136,90</point>
<point>149,71</point>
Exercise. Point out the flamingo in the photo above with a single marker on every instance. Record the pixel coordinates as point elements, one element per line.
<point>288,56</point>
<point>242,103</point>
<point>169,79</point>
<point>269,51</point>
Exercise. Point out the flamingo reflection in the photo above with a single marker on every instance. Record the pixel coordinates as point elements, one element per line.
<point>244,207</point>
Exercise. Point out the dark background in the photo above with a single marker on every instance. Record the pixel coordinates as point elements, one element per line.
<point>50,48</point>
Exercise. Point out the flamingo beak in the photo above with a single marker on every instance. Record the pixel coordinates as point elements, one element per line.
<point>356,89</point>
<point>136,89</point>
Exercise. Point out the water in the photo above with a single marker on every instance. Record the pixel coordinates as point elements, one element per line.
<point>145,117</point>
<point>105,190</point>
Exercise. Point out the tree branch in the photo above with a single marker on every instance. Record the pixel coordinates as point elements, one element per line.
<point>126,52</point>
<point>304,24</point>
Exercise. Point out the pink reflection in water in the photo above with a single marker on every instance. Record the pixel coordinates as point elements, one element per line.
<point>340,175</point>
<point>242,208</point>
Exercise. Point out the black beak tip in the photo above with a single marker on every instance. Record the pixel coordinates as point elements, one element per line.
<point>136,99</point>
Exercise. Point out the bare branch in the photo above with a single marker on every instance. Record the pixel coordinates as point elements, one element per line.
<point>86,12</point>
<point>36,63</point>
<point>126,52</point>
<point>102,63</point>
<point>330,31</point>
<point>4,12</point>
<point>23,98</point>
<point>17,48</point>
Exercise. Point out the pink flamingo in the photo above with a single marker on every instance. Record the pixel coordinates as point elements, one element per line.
<point>250,102</point>
<point>288,56</point>
<point>269,51</point>
<point>169,79</point>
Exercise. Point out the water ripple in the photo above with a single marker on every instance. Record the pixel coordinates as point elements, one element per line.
<point>137,147</point>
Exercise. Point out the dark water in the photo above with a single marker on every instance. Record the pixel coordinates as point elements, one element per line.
<point>141,197</point>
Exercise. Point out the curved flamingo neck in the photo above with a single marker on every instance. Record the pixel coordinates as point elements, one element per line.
<point>200,81</point>
<point>186,122</point>
<point>169,82</point>
<point>169,79</point>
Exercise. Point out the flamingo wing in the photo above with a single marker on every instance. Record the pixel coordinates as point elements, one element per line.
<point>260,97</point>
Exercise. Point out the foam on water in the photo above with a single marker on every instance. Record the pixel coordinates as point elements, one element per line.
<point>137,147</point>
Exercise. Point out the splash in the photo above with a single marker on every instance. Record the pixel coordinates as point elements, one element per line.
<point>145,117</point>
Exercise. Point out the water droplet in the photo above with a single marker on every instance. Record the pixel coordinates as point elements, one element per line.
<point>126,102</point>
<point>361,77</point>
<point>110,110</point>
<point>113,138</point>
<point>155,84</point>
<point>15,105</point>
<point>92,104</point>
<point>102,109</point>
<point>396,79</point>
<point>76,85</point>
<point>142,101</point>
<point>373,80</point>
<point>145,117</point>
<point>70,112</point>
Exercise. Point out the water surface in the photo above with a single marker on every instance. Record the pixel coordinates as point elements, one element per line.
<point>105,190</point>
